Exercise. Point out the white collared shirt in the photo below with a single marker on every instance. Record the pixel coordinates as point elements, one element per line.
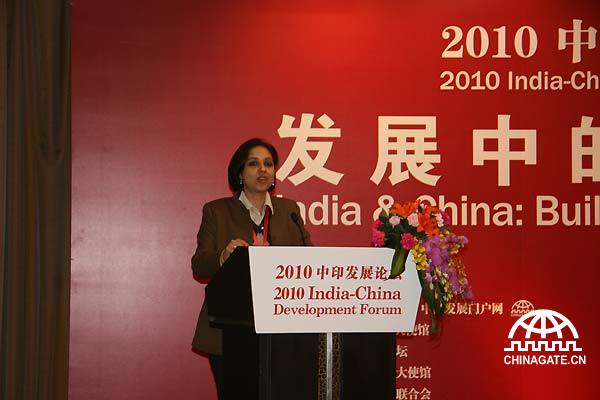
<point>256,215</point>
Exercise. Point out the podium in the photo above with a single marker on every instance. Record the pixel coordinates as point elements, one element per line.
<point>292,365</point>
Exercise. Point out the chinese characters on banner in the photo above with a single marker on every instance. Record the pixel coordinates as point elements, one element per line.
<point>407,145</point>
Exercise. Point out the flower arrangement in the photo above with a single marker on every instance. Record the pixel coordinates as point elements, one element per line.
<point>423,229</point>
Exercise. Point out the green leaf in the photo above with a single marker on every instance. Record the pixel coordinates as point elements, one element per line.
<point>398,262</point>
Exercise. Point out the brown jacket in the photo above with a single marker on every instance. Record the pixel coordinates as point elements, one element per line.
<point>226,219</point>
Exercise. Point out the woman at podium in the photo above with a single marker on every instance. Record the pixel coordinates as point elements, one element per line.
<point>251,217</point>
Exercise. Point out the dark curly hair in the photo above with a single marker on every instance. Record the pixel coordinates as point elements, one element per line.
<point>236,164</point>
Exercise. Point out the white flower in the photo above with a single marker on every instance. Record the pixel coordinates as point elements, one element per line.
<point>394,220</point>
<point>439,219</point>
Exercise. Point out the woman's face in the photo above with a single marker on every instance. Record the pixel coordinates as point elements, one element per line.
<point>259,170</point>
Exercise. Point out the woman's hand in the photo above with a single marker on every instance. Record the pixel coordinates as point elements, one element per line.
<point>231,247</point>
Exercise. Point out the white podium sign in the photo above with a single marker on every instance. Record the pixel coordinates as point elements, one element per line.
<point>331,289</point>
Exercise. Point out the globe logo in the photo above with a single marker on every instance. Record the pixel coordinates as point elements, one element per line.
<point>542,324</point>
<point>521,307</point>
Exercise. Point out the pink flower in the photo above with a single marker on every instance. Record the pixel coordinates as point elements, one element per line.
<point>413,220</point>
<point>377,237</point>
<point>394,220</point>
<point>446,218</point>
<point>408,241</point>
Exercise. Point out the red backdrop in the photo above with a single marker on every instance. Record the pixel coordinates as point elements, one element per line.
<point>163,92</point>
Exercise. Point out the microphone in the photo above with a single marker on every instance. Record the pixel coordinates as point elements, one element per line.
<point>296,220</point>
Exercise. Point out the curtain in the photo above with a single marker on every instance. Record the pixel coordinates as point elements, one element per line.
<point>35,198</point>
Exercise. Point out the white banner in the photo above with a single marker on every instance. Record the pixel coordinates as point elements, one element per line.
<point>331,289</point>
